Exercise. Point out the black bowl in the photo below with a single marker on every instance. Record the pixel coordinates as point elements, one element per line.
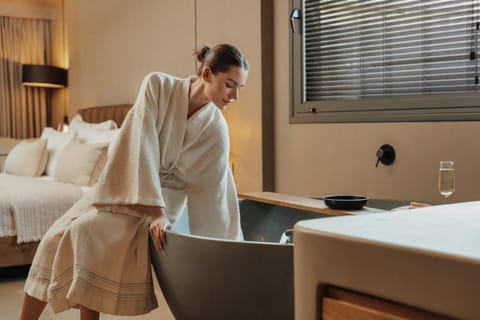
<point>345,202</point>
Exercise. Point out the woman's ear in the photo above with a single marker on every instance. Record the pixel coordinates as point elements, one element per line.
<point>206,74</point>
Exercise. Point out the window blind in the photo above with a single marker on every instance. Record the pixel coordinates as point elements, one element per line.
<point>383,48</point>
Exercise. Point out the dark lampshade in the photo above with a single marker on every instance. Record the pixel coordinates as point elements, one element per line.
<point>36,75</point>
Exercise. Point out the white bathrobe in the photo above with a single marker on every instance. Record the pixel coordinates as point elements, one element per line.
<point>99,258</point>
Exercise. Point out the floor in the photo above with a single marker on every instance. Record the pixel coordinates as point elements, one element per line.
<point>11,293</point>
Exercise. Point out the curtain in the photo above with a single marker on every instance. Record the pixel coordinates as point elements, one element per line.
<point>23,110</point>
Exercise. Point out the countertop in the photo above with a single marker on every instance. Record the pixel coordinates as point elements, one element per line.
<point>302,203</point>
<point>427,258</point>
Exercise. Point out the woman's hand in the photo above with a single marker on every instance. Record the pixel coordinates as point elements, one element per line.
<point>158,226</point>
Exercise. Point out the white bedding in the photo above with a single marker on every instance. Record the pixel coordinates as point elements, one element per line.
<point>29,206</point>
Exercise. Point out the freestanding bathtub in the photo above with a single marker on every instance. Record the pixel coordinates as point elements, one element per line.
<point>208,278</point>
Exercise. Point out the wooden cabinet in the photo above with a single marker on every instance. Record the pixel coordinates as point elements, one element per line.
<point>424,259</point>
<point>340,304</point>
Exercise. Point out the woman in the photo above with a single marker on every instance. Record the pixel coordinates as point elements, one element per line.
<point>173,146</point>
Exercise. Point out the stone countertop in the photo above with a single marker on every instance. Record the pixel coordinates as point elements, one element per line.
<point>427,258</point>
<point>452,231</point>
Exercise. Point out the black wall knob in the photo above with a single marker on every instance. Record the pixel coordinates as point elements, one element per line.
<point>385,155</point>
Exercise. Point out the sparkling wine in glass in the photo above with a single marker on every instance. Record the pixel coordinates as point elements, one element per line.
<point>446,178</point>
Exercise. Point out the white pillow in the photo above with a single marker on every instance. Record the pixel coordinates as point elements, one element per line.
<point>77,162</point>
<point>104,136</point>
<point>104,132</point>
<point>77,123</point>
<point>28,158</point>
<point>57,141</point>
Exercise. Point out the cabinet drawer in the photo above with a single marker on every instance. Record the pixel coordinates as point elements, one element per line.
<point>341,304</point>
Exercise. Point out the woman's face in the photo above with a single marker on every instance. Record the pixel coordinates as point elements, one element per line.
<point>223,88</point>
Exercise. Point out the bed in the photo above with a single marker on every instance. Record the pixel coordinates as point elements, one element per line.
<point>29,205</point>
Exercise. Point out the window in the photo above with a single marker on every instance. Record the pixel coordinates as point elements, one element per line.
<point>384,60</point>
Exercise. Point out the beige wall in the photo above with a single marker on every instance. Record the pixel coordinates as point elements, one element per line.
<point>244,116</point>
<point>114,43</point>
<point>320,159</point>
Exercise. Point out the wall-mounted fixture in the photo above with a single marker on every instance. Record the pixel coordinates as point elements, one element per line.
<point>385,155</point>
<point>36,75</point>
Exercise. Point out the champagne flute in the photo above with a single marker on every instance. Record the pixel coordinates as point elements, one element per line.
<point>446,179</point>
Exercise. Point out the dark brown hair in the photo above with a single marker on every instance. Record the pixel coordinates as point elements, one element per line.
<point>220,58</point>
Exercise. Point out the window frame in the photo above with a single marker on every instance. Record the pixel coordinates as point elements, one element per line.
<point>414,108</point>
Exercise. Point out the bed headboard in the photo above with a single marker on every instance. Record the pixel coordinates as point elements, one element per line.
<point>116,112</point>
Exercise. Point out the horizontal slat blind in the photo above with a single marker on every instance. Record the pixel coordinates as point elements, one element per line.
<point>377,48</point>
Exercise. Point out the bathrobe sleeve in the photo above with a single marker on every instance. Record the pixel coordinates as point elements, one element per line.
<point>131,175</point>
<point>213,209</point>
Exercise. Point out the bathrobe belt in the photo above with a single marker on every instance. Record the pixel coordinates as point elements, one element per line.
<point>168,179</point>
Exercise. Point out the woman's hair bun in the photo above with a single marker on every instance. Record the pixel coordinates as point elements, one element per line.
<point>220,58</point>
<point>202,53</point>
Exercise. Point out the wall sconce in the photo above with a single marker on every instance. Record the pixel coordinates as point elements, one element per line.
<point>36,75</point>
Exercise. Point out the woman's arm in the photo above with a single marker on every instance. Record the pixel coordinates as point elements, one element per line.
<point>131,173</point>
<point>159,223</point>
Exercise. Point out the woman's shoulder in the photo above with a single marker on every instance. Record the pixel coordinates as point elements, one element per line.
<point>164,81</point>
<point>164,77</point>
<point>160,77</point>
<point>217,122</point>
<point>209,121</point>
